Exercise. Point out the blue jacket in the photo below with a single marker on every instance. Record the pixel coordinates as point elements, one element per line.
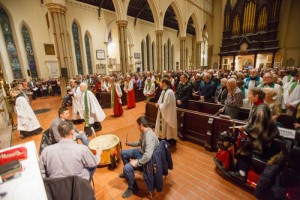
<point>157,167</point>
<point>207,90</point>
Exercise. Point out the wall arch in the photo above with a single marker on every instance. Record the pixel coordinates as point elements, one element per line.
<point>25,24</point>
<point>196,23</point>
<point>179,17</point>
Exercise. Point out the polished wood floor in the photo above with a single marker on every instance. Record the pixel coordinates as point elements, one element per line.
<point>194,175</point>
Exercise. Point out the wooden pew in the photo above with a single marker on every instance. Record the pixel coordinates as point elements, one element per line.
<point>197,127</point>
<point>211,108</point>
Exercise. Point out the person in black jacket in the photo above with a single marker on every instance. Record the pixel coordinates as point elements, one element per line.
<point>183,92</point>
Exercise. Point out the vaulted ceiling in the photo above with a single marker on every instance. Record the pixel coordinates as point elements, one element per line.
<point>140,9</point>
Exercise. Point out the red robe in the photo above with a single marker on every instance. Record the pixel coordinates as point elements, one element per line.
<point>130,99</point>
<point>117,107</point>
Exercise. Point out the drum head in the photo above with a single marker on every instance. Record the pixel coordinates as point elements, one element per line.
<point>104,142</point>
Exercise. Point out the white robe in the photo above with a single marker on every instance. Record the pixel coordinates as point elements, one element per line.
<point>76,104</point>
<point>167,110</point>
<point>150,91</point>
<point>293,98</point>
<point>96,113</point>
<point>27,120</point>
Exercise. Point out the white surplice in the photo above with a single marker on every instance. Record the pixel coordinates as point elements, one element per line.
<point>27,120</point>
<point>166,121</point>
<point>292,98</point>
<point>76,104</point>
<point>96,114</point>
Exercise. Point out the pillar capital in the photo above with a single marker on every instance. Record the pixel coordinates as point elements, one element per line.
<point>159,32</point>
<point>122,23</point>
<point>56,7</point>
<point>182,37</point>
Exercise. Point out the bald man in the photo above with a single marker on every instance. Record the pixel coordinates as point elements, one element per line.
<point>93,113</point>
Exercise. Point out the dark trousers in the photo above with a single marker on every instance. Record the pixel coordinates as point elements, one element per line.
<point>128,170</point>
<point>91,171</point>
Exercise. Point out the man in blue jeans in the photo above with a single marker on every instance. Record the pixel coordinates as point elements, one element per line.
<point>134,158</point>
<point>63,115</point>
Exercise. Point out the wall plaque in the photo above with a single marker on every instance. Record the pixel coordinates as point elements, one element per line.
<point>49,49</point>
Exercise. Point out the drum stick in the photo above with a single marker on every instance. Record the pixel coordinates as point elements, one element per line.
<point>93,130</point>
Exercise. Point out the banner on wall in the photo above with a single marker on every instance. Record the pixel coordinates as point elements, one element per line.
<point>53,68</point>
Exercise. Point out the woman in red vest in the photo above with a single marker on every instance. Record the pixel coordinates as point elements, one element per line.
<point>129,90</point>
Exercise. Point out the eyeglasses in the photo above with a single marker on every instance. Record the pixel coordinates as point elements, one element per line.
<point>267,77</point>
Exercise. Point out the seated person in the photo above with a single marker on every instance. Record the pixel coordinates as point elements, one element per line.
<point>67,158</point>
<point>260,131</point>
<point>133,158</point>
<point>63,114</point>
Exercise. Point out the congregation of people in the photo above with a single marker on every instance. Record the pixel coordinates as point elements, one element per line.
<point>278,92</point>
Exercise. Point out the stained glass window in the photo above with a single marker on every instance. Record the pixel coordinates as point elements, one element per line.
<point>153,54</point>
<point>29,52</point>
<point>142,47</point>
<point>88,54</point>
<point>148,52</point>
<point>10,45</point>
<point>77,48</point>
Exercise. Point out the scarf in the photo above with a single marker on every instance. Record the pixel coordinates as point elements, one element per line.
<point>112,102</point>
<point>289,78</point>
<point>294,85</point>
<point>272,85</point>
<point>86,110</point>
<point>258,102</point>
<point>149,85</point>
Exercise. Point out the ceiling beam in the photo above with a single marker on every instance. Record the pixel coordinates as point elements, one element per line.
<point>100,6</point>
<point>139,13</point>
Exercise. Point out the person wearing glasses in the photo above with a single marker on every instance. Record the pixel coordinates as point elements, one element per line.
<point>268,82</point>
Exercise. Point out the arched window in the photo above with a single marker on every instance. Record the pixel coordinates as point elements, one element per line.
<point>172,59</point>
<point>169,54</point>
<point>77,48</point>
<point>153,55</point>
<point>29,52</point>
<point>148,52</point>
<point>10,45</point>
<point>142,52</point>
<point>166,57</point>
<point>88,53</point>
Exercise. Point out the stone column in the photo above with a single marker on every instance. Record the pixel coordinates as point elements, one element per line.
<point>62,41</point>
<point>221,62</point>
<point>123,47</point>
<point>233,63</point>
<point>209,55</point>
<point>131,67</point>
<point>255,60</point>
<point>182,53</point>
<point>159,34</point>
<point>198,54</point>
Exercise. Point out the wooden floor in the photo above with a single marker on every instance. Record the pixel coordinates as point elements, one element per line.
<point>194,175</point>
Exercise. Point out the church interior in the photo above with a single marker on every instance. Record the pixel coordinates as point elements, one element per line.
<point>117,60</point>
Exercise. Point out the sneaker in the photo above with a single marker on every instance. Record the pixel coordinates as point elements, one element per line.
<point>129,192</point>
<point>122,175</point>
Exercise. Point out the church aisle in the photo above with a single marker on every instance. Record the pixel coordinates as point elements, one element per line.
<point>193,177</point>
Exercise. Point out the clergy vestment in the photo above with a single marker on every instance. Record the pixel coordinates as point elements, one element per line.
<point>278,89</point>
<point>92,110</point>
<point>292,95</point>
<point>77,109</point>
<point>149,90</point>
<point>28,124</point>
<point>116,103</point>
<point>166,121</point>
<point>128,88</point>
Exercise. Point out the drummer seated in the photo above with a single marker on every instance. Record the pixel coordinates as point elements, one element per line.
<point>67,158</point>
<point>134,158</point>
<point>63,115</point>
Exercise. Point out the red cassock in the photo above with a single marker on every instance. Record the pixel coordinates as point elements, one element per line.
<point>130,99</point>
<point>118,110</point>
